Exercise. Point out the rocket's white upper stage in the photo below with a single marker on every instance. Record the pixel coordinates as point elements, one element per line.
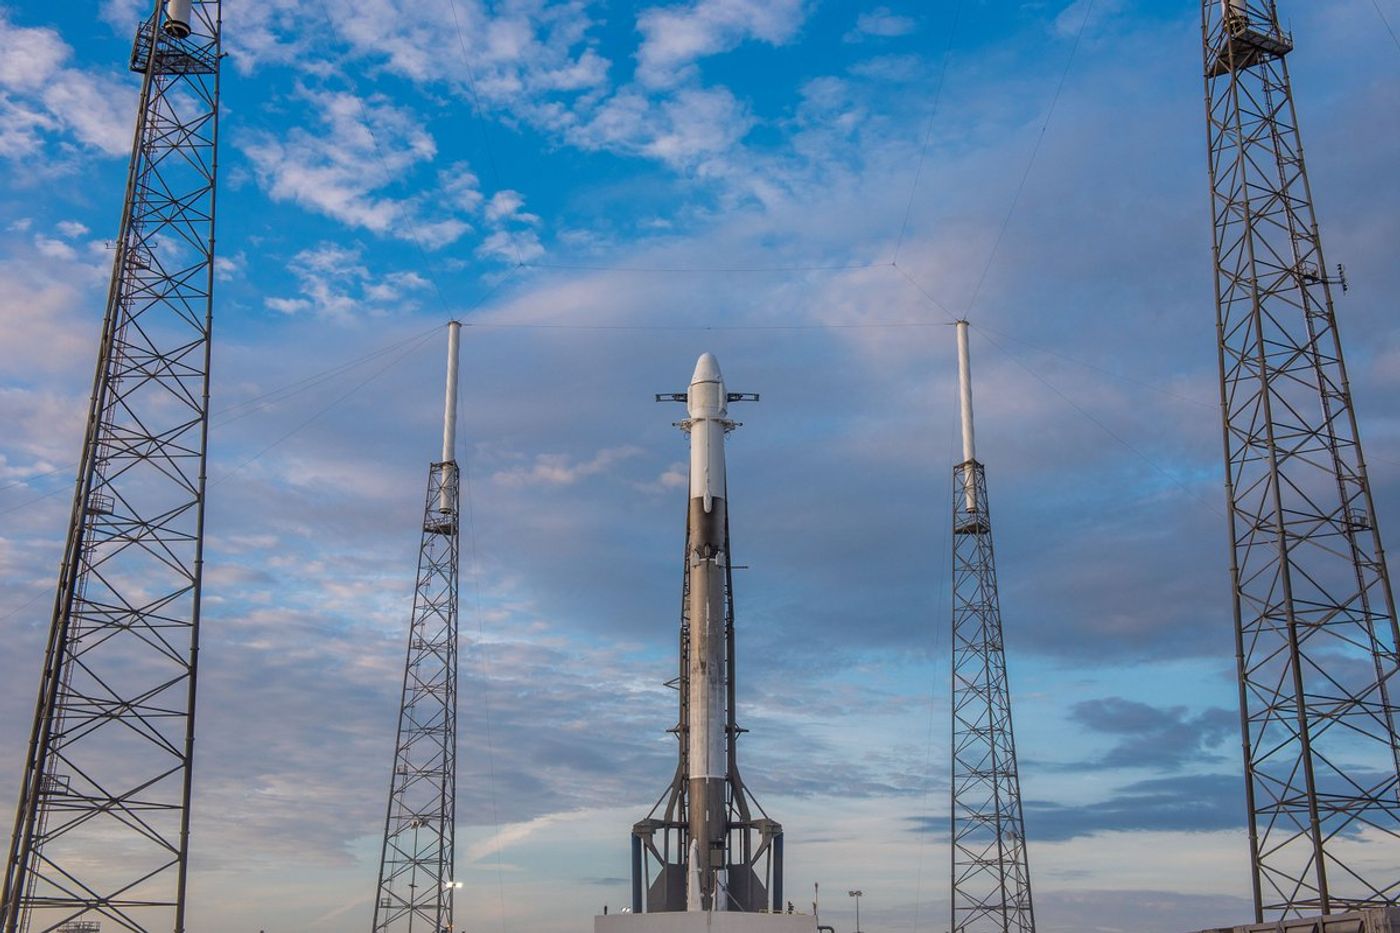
<point>706,402</point>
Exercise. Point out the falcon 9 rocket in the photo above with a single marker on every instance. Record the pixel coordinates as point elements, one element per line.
<point>707,845</point>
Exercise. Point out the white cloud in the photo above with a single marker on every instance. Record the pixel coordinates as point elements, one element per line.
<point>514,246</point>
<point>505,205</point>
<point>340,168</point>
<point>673,38</point>
<point>54,249</point>
<point>675,476</point>
<point>512,238</point>
<point>897,68</point>
<point>29,57</point>
<point>228,268</point>
<point>40,95</point>
<point>71,229</point>
<point>1075,16</point>
<point>44,301</point>
<point>394,286</point>
<point>288,305</point>
<point>561,469</point>
<point>881,22</point>
<point>521,53</point>
<point>98,110</point>
<point>461,186</point>
<point>513,833</point>
<point>435,234</point>
<point>333,281</point>
<point>700,123</point>
<point>682,131</point>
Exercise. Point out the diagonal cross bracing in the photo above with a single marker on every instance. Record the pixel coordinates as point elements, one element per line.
<point>1315,619</point>
<point>991,887</point>
<point>102,826</point>
<point>416,887</point>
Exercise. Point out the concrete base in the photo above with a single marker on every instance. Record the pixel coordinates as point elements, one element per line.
<point>1371,920</point>
<point>701,922</point>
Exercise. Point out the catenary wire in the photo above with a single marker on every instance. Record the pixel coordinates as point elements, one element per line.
<point>928,130</point>
<point>479,113</point>
<point>1129,380</point>
<point>1035,151</point>
<point>26,604</point>
<point>870,325</point>
<point>410,228</point>
<point>483,652</point>
<point>1166,474</point>
<point>943,599</point>
<point>302,425</point>
<point>952,318</point>
<point>1386,22</point>
<point>601,267</point>
<point>243,409</point>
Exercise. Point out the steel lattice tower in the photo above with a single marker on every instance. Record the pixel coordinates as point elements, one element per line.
<point>416,884</point>
<point>991,884</point>
<point>1314,615</point>
<point>102,829</point>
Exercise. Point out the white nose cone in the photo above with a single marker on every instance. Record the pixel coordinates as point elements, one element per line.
<point>706,397</point>
<point>706,404</point>
<point>706,369</point>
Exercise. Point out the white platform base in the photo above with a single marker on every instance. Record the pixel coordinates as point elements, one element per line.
<point>700,922</point>
<point>1369,920</point>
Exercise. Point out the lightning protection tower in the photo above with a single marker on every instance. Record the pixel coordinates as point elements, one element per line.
<point>416,885</point>
<point>102,829</point>
<point>1314,615</point>
<point>991,880</point>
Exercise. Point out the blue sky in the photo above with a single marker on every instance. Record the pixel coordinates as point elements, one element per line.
<point>602,193</point>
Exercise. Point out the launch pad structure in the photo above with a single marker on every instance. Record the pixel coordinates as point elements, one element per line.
<point>110,757</point>
<point>707,922</point>
<point>1370,920</point>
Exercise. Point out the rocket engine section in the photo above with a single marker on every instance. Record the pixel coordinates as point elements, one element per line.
<point>702,847</point>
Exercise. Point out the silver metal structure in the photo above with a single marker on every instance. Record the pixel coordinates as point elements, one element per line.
<point>416,887</point>
<point>1315,620</point>
<point>102,829</point>
<point>991,887</point>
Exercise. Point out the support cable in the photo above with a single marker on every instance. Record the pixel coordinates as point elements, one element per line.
<point>942,600</point>
<point>240,410</point>
<point>928,130</point>
<point>1035,151</point>
<point>1137,452</point>
<point>409,227</point>
<point>1386,22</point>
<point>479,113</point>
<point>1092,367</point>
<point>333,403</point>
<point>815,267</point>
<point>483,653</point>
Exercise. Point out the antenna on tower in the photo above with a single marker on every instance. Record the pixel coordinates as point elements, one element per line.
<point>416,860</point>
<point>103,823</point>
<point>991,877</point>
<point>969,441</point>
<point>1315,623</point>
